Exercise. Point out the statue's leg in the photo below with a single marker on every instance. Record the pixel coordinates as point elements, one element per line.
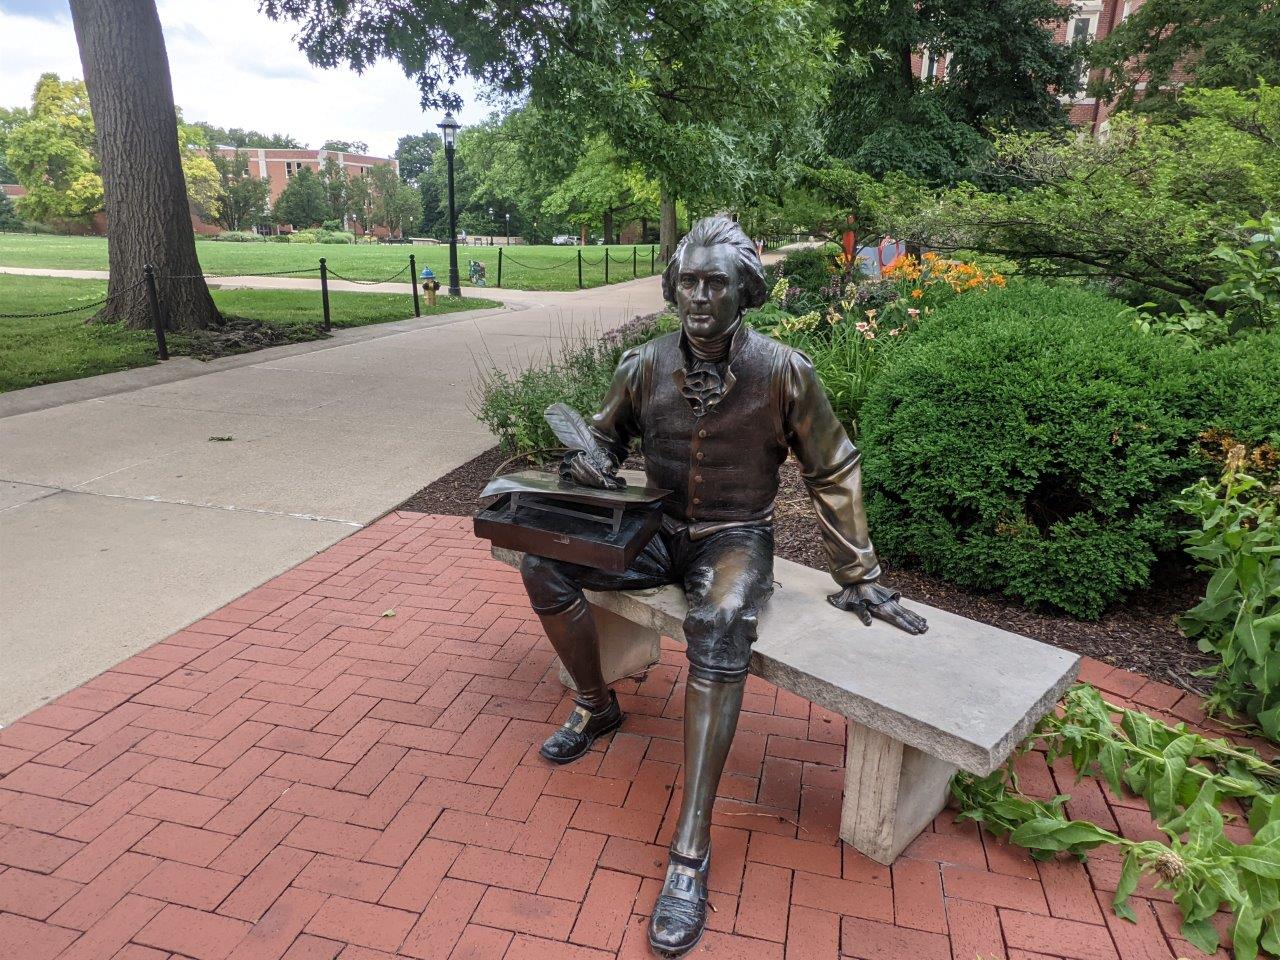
<point>555,590</point>
<point>728,578</point>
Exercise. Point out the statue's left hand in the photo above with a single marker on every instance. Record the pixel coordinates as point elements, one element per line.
<point>869,600</point>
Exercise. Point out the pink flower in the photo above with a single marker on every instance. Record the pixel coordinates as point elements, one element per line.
<point>913,312</point>
<point>894,332</point>
<point>869,335</point>
<point>862,327</point>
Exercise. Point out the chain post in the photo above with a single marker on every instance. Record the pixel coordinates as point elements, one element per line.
<point>652,253</point>
<point>324,293</point>
<point>635,272</point>
<point>413,282</point>
<point>606,265</point>
<point>579,268</point>
<point>500,264</point>
<point>157,320</point>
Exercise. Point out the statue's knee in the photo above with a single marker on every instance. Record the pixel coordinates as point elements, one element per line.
<point>545,581</point>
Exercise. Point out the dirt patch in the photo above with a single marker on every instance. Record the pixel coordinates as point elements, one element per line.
<point>1139,634</point>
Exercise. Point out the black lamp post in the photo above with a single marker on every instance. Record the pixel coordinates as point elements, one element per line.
<point>449,131</point>
<point>508,218</point>
<point>491,226</point>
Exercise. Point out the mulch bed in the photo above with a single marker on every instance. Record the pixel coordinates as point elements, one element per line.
<point>1139,634</point>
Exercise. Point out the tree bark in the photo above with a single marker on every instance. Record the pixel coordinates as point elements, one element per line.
<point>608,227</point>
<point>667,225</point>
<point>126,70</point>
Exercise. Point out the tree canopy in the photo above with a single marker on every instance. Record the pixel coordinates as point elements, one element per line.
<point>1214,43</point>
<point>50,149</point>
<point>303,202</point>
<point>236,137</point>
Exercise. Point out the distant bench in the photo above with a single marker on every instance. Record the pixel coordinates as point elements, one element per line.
<point>961,696</point>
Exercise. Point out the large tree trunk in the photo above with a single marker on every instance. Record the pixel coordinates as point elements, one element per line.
<point>127,72</point>
<point>608,227</point>
<point>667,225</point>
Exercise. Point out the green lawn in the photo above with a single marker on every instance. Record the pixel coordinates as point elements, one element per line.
<point>51,349</point>
<point>526,268</point>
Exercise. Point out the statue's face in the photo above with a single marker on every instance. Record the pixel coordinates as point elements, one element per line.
<point>708,293</point>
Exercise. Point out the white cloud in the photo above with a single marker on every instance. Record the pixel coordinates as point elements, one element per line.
<point>234,67</point>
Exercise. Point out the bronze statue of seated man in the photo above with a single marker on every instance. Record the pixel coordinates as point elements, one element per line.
<point>716,408</point>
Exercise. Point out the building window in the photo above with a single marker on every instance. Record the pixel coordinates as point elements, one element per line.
<point>1084,29</point>
<point>929,69</point>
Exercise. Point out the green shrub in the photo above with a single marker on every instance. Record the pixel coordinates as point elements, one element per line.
<point>238,236</point>
<point>1029,441</point>
<point>810,268</point>
<point>511,404</point>
<point>1238,388</point>
<point>335,236</point>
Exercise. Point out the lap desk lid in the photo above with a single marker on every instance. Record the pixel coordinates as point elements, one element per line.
<point>537,512</point>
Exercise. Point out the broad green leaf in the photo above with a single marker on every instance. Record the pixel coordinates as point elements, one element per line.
<point>1262,860</point>
<point>1047,834</point>
<point>1111,762</point>
<point>1244,935</point>
<point>1201,934</point>
<point>1129,876</point>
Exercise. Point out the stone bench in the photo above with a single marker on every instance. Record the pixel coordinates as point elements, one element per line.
<point>961,696</point>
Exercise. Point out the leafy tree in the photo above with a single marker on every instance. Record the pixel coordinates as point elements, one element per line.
<point>1004,71</point>
<point>415,153</point>
<point>244,200</point>
<point>9,118</point>
<point>1143,209</point>
<point>50,151</point>
<point>204,183</point>
<point>345,146</point>
<point>600,190</point>
<point>1218,43</point>
<point>336,184</point>
<point>236,137</point>
<point>360,202</point>
<point>9,219</point>
<point>303,202</point>
<point>396,205</point>
<point>651,77</point>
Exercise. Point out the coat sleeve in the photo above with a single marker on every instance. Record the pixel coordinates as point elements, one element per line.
<point>831,466</point>
<point>617,422</point>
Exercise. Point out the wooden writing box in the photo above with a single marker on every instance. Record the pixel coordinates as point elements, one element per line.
<point>535,512</point>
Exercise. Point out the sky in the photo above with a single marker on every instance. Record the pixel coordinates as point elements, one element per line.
<point>233,67</point>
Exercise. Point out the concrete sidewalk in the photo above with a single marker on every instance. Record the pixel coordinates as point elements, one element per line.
<point>124,515</point>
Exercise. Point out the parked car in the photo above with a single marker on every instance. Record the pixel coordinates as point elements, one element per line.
<point>564,240</point>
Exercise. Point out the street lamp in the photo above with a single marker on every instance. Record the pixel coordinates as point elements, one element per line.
<point>491,226</point>
<point>508,218</point>
<point>449,132</point>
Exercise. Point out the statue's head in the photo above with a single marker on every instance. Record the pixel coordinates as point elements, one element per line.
<point>714,275</point>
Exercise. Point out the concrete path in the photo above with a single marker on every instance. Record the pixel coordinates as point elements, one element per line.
<point>124,516</point>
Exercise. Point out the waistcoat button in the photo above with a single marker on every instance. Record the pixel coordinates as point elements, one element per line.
<point>696,501</point>
<point>700,454</point>
<point>702,433</point>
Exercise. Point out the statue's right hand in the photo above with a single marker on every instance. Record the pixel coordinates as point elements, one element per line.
<point>583,470</point>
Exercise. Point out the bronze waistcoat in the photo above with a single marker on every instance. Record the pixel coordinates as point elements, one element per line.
<point>721,466</point>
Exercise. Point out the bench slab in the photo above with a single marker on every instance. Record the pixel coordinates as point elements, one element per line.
<point>961,696</point>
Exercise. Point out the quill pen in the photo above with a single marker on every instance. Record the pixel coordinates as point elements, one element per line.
<point>572,430</point>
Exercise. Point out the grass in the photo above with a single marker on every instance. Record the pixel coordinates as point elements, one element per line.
<point>528,268</point>
<point>52,349</point>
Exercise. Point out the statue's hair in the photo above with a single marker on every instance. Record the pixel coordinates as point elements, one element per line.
<point>709,232</point>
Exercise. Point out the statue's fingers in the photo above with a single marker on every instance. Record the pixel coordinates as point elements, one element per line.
<point>863,614</point>
<point>904,619</point>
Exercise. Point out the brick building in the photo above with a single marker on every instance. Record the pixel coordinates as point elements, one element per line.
<point>1090,20</point>
<point>278,166</point>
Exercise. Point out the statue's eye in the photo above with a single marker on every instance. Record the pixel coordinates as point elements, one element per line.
<point>718,283</point>
<point>687,281</point>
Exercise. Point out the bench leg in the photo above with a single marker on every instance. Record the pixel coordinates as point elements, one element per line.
<point>626,648</point>
<point>891,793</point>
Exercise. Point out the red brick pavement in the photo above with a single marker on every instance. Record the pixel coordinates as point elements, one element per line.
<point>303,775</point>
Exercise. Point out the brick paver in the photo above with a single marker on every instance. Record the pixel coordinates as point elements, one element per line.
<point>343,763</point>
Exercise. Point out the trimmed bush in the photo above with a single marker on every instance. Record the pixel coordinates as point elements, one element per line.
<point>1239,388</point>
<point>1028,441</point>
<point>810,268</point>
<point>238,236</point>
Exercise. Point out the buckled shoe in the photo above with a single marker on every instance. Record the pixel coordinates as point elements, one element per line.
<point>582,728</point>
<point>680,915</point>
